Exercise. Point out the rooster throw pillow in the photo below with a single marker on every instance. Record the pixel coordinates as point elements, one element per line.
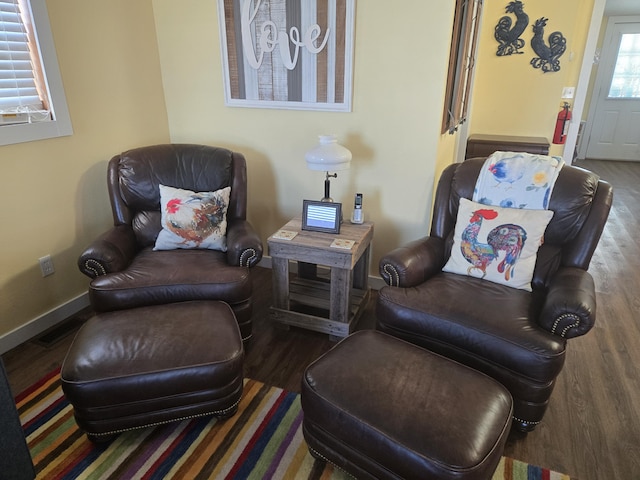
<point>193,219</point>
<point>497,244</point>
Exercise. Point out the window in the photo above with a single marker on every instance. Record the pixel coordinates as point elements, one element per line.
<point>626,75</point>
<point>32,102</point>
<point>461,62</point>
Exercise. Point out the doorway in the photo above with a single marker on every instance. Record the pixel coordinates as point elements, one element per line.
<point>613,126</point>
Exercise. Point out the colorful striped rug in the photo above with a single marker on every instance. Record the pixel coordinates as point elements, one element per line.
<point>263,440</point>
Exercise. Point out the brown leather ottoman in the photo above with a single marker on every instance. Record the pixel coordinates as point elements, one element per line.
<point>145,366</point>
<point>379,407</point>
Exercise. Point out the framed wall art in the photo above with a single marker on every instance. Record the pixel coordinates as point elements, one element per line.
<point>291,54</point>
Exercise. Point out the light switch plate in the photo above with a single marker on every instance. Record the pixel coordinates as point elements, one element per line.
<point>568,92</point>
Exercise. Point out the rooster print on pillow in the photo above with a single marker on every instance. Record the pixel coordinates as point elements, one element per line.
<point>193,219</point>
<point>497,244</point>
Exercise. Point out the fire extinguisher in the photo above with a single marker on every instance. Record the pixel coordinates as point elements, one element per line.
<point>562,125</point>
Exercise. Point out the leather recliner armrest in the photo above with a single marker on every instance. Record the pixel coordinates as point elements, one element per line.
<point>110,252</point>
<point>570,307</point>
<point>413,263</point>
<point>244,247</point>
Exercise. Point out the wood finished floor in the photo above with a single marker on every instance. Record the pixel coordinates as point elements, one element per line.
<point>592,427</point>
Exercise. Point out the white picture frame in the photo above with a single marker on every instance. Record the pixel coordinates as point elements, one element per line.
<point>287,54</point>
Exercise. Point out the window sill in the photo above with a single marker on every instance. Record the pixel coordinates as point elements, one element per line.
<point>29,132</point>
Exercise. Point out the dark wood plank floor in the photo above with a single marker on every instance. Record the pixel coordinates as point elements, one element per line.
<point>592,427</point>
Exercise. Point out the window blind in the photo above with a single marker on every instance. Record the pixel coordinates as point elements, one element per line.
<point>18,91</point>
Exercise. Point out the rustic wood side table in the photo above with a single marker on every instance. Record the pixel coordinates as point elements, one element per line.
<point>301,301</point>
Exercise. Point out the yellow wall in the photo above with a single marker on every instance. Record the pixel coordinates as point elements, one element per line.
<point>53,192</point>
<point>447,153</point>
<point>149,71</point>
<point>393,132</point>
<point>510,97</point>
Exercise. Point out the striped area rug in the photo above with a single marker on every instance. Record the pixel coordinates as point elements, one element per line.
<point>262,441</point>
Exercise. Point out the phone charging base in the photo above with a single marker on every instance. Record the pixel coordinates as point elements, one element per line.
<point>357,216</point>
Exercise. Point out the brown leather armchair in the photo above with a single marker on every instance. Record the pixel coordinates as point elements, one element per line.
<point>517,337</point>
<point>126,272</point>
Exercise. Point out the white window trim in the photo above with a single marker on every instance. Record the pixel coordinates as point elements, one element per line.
<point>61,126</point>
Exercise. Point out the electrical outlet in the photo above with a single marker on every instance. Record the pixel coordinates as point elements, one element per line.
<point>46,265</point>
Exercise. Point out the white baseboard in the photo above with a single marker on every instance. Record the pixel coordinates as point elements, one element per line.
<point>376,283</point>
<point>45,321</point>
<point>265,262</point>
<point>56,315</point>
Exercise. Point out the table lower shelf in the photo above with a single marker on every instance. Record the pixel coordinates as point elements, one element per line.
<point>309,302</point>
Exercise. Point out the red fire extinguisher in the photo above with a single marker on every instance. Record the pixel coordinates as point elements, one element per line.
<point>562,124</point>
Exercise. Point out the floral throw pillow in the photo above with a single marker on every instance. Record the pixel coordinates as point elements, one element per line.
<point>193,219</point>
<point>497,244</point>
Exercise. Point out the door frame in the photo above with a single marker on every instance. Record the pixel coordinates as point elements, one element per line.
<point>582,86</point>
<point>600,82</point>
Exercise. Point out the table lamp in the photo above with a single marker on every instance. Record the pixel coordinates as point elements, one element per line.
<point>328,156</point>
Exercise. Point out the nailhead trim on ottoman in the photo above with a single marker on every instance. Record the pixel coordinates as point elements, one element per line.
<point>151,365</point>
<point>379,407</point>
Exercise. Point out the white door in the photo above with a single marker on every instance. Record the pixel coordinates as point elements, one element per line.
<point>615,104</point>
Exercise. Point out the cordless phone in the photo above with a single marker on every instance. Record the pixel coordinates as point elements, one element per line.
<point>357,216</point>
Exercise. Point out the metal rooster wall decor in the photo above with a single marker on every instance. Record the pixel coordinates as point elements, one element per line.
<point>548,55</point>
<point>508,36</point>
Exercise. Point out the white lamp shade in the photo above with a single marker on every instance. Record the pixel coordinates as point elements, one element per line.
<point>328,155</point>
